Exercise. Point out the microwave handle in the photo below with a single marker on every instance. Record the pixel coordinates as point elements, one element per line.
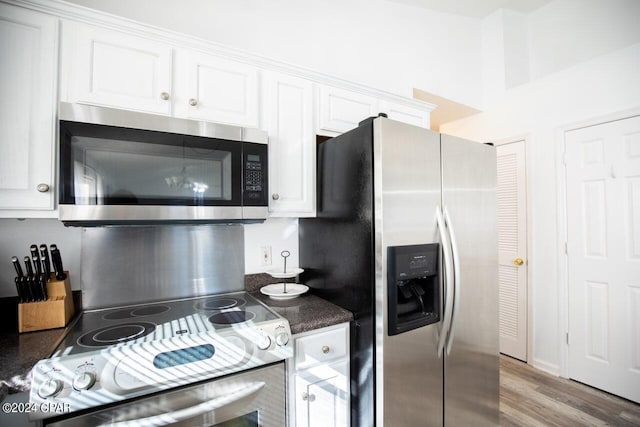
<point>192,411</point>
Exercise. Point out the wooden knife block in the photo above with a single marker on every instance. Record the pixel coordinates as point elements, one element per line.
<point>55,312</point>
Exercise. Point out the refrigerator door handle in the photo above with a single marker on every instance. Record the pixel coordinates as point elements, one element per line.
<point>456,279</point>
<point>448,281</point>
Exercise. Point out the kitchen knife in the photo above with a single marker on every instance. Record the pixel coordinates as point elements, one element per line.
<point>16,265</point>
<point>57,263</point>
<point>19,289</point>
<point>43,286</point>
<point>37,265</point>
<point>34,251</point>
<point>34,294</point>
<point>44,256</point>
<point>26,289</point>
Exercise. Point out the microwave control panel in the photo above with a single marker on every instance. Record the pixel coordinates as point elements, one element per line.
<point>255,174</point>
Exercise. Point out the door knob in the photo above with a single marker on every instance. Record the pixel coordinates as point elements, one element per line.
<point>518,261</point>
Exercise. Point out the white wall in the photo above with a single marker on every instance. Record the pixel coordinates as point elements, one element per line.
<point>566,32</point>
<point>596,88</point>
<point>385,45</point>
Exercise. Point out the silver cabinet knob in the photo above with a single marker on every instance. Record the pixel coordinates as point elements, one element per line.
<point>193,102</point>
<point>164,96</point>
<point>309,397</point>
<point>43,188</point>
<point>275,196</point>
<point>325,349</point>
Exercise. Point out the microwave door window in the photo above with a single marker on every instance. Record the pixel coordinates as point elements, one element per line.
<point>108,171</point>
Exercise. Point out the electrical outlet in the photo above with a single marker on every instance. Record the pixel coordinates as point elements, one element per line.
<point>265,255</point>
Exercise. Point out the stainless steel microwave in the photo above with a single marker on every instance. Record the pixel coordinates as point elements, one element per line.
<point>125,168</point>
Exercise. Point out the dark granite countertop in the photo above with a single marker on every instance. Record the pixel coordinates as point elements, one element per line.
<point>304,313</point>
<point>307,312</point>
<point>20,352</point>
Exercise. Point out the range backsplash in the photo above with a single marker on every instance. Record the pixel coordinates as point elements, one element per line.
<point>130,265</point>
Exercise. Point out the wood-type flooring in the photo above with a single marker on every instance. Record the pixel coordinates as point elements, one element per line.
<point>531,397</point>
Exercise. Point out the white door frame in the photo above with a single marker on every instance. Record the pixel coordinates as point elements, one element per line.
<point>527,162</point>
<point>563,261</point>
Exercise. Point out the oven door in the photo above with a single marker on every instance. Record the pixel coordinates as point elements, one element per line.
<point>249,399</point>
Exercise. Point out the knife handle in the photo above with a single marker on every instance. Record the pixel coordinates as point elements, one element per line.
<point>19,289</point>
<point>43,286</point>
<point>44,256</point>
<point>57,264</point>
<point>16,265</point>
<point>37,266</point>
<point>26,288</point>
<point>27,263</point>
<point>34,251</point>
<point>37,290</point>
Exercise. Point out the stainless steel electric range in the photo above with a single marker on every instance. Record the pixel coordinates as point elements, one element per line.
<point>215,360</point>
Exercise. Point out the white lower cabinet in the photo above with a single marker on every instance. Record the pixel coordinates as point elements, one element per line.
<point>319,378</point>
<point>28,61</point>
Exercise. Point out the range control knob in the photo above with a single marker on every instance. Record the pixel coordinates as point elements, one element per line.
<point>264,342</point>
<point>84,381</point>
<point>50,388</point>
<point>282,339</point>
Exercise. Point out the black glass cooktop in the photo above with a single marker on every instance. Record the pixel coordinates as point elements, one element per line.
<point>97,329</point>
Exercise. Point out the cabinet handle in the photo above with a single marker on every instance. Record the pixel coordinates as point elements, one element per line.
<point>518,261</point>
<point>193,102</point>
<point>43,188</point>
<point>325,349</point>
<point>275,196</point>
<point>164,96</point>
<point>309,397</point>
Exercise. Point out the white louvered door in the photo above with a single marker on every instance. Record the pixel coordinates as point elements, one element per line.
<point>603,232</point>
<point>512,248</point>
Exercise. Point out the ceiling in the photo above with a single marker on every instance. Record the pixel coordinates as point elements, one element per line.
<point>475,8</point>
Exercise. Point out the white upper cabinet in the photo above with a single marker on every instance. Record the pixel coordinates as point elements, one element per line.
<point>28,52</point>
<point>288,118</point>
<point>406,114</point>
<point>216,89</point>
<point>341,110</point>
<point>115,69</point>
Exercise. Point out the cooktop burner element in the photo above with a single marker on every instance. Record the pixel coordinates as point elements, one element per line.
<point>231,317</point>
<point>219,303</point>
<point>137,312</point>
<point>116,334</point>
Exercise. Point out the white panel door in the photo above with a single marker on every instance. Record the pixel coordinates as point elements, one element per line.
<point>341,110</point>
<point>288,117</point>
<point>28,60</point>
<point>118,70</point>
<point>512,249</point>
<point>218,90</point>
<point>603,225</point>
<point>406,114</point>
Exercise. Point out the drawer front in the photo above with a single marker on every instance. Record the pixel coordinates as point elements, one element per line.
<point>321,347</point>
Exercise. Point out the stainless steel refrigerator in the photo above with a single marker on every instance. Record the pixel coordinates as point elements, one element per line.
<point>406,238</point>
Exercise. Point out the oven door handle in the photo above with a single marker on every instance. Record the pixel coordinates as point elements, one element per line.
<point>192,411</point>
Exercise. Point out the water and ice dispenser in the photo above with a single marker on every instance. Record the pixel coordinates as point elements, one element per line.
<point>413,288</point>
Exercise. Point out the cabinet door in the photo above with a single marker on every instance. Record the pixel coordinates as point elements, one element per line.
<point>406,114</point>
<point>341,110</point>
<point>216,89</point>
<point>288,116</point>
<point>322,396</point>
<point>118,70</point>
<point>28,50</point>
